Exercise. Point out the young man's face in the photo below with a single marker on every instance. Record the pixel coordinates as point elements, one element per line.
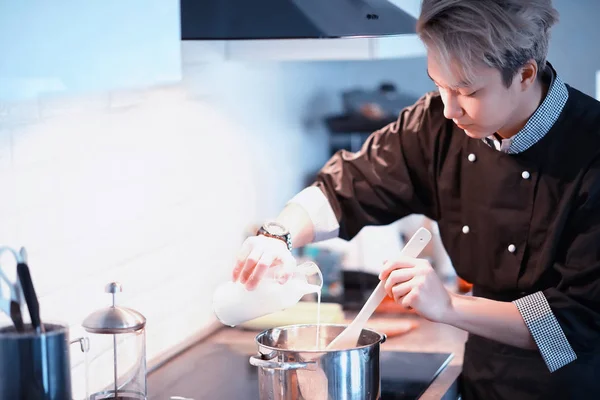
<point>480,109</point>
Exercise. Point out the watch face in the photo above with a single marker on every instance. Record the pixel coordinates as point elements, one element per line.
<point>275,229</point>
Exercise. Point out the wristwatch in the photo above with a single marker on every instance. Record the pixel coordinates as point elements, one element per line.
<point>277,231</point>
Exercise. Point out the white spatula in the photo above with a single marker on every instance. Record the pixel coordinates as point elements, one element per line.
<point>349,336</point>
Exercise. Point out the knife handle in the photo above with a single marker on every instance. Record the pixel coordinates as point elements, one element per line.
<point>30,296</point>
<point>15,315</point>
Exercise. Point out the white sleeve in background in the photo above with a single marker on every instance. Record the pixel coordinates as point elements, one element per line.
<point>319,211</point>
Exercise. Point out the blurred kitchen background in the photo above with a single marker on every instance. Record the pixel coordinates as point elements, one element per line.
<point>127,155</point>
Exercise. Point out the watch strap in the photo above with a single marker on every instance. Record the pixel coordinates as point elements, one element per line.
<point>287,238</point>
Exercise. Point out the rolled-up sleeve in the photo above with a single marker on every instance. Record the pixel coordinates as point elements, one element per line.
<point>389,178</point>
<point>565,320</point>
<point>314,202</point>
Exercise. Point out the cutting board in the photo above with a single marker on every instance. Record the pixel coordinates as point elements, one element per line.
<point>303,312</point>
<point>331,313</point>
<point>392,327</point>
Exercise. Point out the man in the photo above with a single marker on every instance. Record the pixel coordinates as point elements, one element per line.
<point>506,158</point>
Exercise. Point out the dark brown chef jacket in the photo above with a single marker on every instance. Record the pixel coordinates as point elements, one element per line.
<point>533,233</point>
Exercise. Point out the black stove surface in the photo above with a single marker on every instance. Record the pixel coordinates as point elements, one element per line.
<point>405,376</point>
<point>222,373</point>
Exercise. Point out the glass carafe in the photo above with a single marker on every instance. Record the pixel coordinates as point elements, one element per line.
<point>281,288</point>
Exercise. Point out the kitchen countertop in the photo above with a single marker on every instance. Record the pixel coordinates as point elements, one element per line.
<point>427,337</point>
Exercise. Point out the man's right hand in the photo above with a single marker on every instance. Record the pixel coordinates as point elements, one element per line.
<point>258,254</point>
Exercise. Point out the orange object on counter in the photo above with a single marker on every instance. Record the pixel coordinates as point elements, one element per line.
<point>389,306</point>
<point>463,286</point>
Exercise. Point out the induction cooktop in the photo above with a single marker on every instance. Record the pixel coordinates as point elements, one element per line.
<point>220,372</point>
<point>406,375</point>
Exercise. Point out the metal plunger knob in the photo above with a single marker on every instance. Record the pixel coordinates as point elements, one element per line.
<point>114,288</point>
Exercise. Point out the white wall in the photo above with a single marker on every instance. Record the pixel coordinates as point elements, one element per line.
<point>573,44</point>
<point>145,194</point>
<point>598,85</point>
<point>154,188</point>
<point>75,47</point>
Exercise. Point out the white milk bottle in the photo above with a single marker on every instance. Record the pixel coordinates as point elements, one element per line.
<point>233,304</point>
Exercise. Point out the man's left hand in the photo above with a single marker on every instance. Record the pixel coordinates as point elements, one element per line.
<point>413,283</point>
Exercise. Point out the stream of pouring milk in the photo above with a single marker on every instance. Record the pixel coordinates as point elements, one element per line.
<point>318,335</point>
<point>313,384</point>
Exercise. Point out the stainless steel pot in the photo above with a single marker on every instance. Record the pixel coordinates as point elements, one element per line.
<point>289,367</point>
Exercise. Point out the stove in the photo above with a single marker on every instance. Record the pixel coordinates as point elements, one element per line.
<point>405,376</point>
<point>224,373</point>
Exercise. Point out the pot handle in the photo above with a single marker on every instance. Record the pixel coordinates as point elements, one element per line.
<point>258,361</point>
<point>84,346</point>
<point>84,343</point>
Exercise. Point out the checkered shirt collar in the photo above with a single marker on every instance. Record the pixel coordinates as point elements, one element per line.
<point>542,120</point>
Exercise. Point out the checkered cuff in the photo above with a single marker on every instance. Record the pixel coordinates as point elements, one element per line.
<point>547,333</point>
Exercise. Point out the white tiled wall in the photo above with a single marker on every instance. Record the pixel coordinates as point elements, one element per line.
<point>147,193</point>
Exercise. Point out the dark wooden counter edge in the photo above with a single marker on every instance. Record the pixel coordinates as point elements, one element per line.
<point>428,337</point>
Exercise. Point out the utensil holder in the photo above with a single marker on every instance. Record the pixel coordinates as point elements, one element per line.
<point>35,366</point>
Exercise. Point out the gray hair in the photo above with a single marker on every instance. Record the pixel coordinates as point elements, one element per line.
<point>502,34</point>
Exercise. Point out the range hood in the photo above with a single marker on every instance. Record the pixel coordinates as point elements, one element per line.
<point>291,19</point>
<point>298,29</point>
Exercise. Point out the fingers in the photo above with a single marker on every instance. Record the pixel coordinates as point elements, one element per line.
<point>401,262</point>
<point>409,299</point>
<point>265,262</point>
<point>400,290</point>
<point>396,277</point>
<point>256,256</point>
<point>250,264</point>
<point>241,259</point>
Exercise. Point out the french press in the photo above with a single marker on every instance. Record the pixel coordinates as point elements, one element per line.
<point>116,352</point>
